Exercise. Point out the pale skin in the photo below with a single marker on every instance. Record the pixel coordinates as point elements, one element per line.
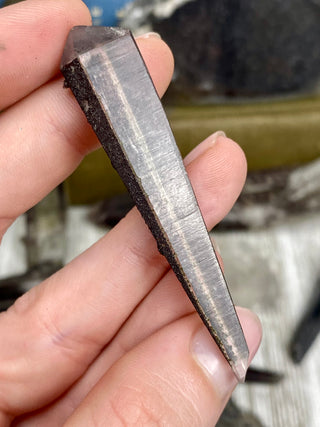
<point>110,339</point>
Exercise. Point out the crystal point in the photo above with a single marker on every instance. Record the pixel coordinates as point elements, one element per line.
<point>81,39</point>
<point>240,368</point>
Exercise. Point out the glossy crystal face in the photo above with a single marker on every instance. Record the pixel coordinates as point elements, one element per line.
<point>112,85</point>
<point>82,39</point>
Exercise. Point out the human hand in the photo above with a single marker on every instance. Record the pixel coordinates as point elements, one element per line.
<point>111,339</point>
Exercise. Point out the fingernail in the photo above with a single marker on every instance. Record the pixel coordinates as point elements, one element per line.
<point>201,148</point>
<point>150,35</point>
<point>210,359</point>
<point>217,134</point>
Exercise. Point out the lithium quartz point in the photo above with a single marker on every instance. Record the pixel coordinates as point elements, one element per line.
<point>108,77</point>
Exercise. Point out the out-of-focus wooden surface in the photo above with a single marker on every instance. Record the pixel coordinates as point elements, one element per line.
<point>272,133</point>
<point>272,271</point>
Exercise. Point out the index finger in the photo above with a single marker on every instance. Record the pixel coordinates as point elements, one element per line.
<point>32,36</point>
<point>46,135</point>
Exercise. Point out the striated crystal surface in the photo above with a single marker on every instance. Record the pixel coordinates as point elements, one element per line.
<point>112,85</point>
<point>82,39</point>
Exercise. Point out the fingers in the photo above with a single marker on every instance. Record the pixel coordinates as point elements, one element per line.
<point>167,302</point>
<point>32,39</point>
<point>177,376</point>
<point>219,185</point>
<point>70,318</point>
<point>46,135</point>
<point>159,60</point>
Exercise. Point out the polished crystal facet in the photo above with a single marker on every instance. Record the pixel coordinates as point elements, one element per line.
<point>108,77</point>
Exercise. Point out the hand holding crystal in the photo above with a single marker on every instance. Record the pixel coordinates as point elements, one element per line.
<point>111,339</point>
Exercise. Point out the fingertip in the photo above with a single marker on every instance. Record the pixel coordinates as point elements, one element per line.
<point>230,150</point>
<point>159,61</point>
<point>232,154</point>
<point>85,12</point>
<point>218,166</point>
<point>213,364</point>
<point>240,155</point>
<point>208,356</point>
<point>76,12</point>
<point>204,146</point>
<point>252,330</point>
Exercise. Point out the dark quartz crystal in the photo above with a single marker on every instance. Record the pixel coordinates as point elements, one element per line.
<point>106,73</point>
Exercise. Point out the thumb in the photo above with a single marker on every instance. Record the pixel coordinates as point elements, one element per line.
<point>176,377</point>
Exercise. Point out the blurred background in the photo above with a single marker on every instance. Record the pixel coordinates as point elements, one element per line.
<point>251,69</point>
